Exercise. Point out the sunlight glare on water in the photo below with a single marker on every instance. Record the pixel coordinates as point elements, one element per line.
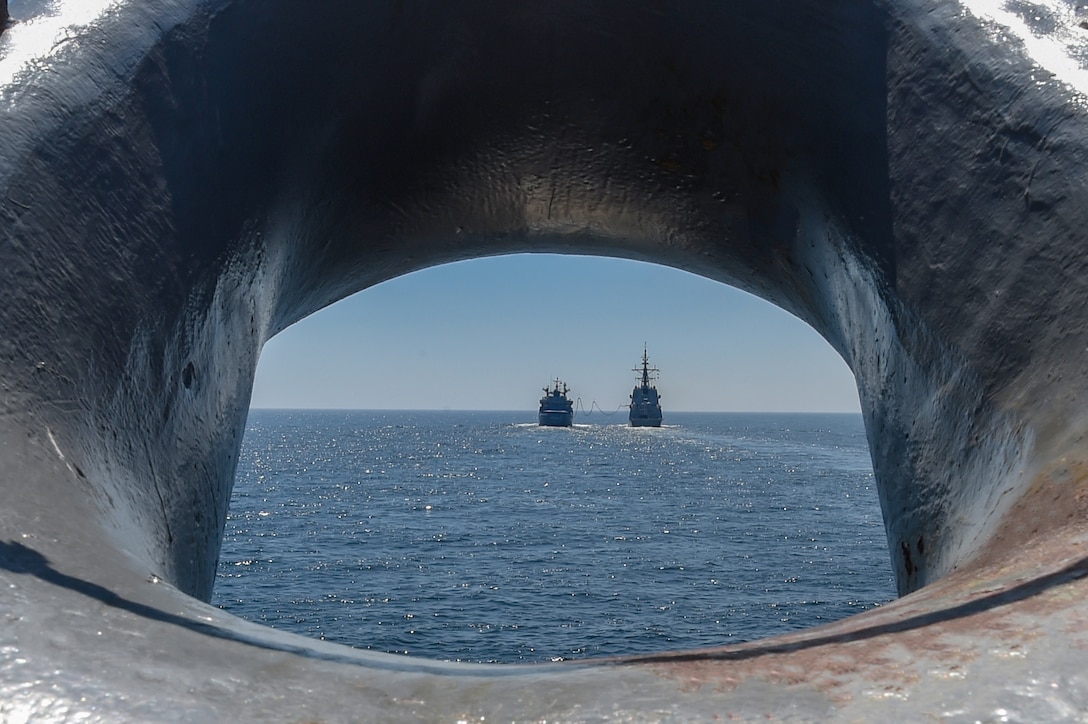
<point>482,537</point>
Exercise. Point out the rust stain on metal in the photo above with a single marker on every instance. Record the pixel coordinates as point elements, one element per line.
<point>1054,504</point>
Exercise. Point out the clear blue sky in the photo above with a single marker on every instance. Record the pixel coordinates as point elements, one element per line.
<point>488,334</point>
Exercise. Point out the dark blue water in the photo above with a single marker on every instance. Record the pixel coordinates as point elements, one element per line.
<point>479,536</point>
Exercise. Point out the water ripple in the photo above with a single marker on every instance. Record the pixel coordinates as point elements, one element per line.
<point>477,537</point>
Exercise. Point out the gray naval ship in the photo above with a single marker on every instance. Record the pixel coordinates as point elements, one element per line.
<point>556,409</point>
<point>645,401</point>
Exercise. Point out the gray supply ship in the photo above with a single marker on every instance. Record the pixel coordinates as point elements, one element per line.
<point>556,409</point>
<point>645,401</point>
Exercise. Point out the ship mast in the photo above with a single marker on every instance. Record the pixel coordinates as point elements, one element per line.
<point>646,368</point>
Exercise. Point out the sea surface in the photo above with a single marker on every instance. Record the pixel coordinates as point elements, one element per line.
<point>479,536</point>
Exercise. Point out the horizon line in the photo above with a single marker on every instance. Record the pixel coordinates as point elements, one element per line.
<point>519,410</point>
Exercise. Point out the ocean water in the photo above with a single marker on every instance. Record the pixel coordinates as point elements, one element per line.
<point>479,536</point>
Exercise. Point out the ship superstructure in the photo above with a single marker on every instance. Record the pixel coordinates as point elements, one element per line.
<point>645,400</point>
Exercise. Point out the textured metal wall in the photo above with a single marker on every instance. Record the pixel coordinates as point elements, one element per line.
<point>180,180</point>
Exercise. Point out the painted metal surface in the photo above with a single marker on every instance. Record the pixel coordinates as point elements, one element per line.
<point>182,179</point>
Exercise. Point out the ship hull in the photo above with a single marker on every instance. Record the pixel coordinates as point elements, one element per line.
<point>649,418</point>
<point>556,418</point>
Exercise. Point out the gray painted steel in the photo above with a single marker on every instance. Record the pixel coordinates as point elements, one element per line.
<point>180,180</point>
